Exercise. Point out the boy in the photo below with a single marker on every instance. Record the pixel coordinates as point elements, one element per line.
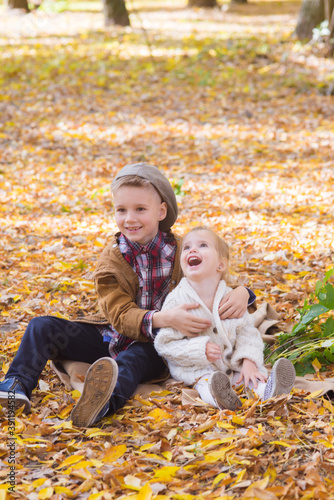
<point>134,274</point>
<point>229,349</point>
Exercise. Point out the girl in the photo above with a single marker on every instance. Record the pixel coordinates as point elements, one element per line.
<point>229,350</point>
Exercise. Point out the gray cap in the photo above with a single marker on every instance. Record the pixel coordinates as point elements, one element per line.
<point>161,184</point>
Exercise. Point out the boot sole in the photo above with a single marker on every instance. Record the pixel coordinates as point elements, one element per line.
<point>99,385</point>
<point>284,375</point>
<point>6,402</point>
<point>221,390</point>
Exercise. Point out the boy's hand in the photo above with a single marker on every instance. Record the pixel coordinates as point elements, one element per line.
<point>181,319</point>
<point>213,352</point>
<point>250,373</point>
<point>234,304</point>
<point>185,322</point>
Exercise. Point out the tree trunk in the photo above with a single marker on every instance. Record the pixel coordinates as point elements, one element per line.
<point>202,3</point>
<point>115,13</point>
<point>311,14</point>
<point>18,4</point>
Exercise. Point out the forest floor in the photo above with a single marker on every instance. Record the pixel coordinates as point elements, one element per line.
<point>239,116</point>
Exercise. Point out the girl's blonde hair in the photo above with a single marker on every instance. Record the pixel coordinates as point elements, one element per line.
<point>221,247</point>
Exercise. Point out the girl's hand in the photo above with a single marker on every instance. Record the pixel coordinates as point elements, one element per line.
<point>213,352</point>
<point>182,320</point>
<point>234,304</point>
<point>250,373</point>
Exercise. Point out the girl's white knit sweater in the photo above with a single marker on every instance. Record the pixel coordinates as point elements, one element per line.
<point>238,338</point>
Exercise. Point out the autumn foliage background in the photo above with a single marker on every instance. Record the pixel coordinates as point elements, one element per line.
<point>239,116</point>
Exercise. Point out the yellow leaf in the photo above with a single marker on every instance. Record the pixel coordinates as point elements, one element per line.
<point>66,411</point>
<point>60,315</point>
<point>98,243</point>
<point>161,393</point>
<point>38,482</point>
<point>96,463</point>
<point>145,492</point>
<point>63,489</point>
<point>76,394</point>
<point>218,478</point>
<point>184,496</point>
<point>5,368</point>
<point>206,426</point>
<point>168,455</point>
<point>73,459</point>
<point>261,484</point>
<point>210,442</point>
<point>143,401</point>
<point>324,442</point>
<point>45,493</point>
<point>80,465</point>
<point>62,266</point>
<point>314,394</point>
<point>270,472</point>
<point>146,446</point>
<point>327,404</point>
<point>114,453</point>
<point>216,456</point>
<point>81,473</point>
<point>238,420</point>
<point>255,453</point>
<point>166,473</point>
<point>316,364</point>
<point>159,414</point>
<point>96,432</point>
<point>100,495</point>
<point>240,476</point>
<point>224,425</point>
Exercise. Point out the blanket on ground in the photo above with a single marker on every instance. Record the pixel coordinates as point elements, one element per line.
<point>72,373</point>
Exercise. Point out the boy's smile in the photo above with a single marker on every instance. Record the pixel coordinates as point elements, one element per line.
<point>138,211</point>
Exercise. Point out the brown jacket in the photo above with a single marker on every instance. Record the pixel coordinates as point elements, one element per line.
<point>117,286</point>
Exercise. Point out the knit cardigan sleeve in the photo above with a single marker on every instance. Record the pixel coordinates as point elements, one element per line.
<point>176,347</point>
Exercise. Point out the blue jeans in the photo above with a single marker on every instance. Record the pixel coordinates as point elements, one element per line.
<point>48,337</point>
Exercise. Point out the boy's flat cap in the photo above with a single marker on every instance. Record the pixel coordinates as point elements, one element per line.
<point>161,184</point>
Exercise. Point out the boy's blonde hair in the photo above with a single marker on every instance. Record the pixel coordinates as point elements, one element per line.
<point>133,180</point>
<point>221,247</point>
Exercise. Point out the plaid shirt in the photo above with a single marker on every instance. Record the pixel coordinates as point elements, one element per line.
<point>153,264</point>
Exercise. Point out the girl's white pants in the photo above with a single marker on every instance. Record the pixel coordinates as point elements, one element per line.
<point>203,387</point>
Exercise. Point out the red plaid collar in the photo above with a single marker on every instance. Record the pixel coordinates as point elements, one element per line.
<point>152,248</point>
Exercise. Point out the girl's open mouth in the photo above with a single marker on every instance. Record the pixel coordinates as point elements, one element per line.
<point>194,261</point>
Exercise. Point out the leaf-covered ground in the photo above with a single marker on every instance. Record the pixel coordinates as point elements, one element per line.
<point>228,102</point>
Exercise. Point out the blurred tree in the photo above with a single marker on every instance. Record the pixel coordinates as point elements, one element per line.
<point>202,3</point>
<point>311,14</point>
<point>18,4</point>
<point>115,12</point>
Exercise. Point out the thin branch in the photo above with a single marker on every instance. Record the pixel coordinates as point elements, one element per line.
<point>146,37</point>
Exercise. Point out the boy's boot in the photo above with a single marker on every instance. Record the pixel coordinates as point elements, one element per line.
<point>98,387</point>
<point>281,379</point>
<point>13,396</point>
<point>222,392</point>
